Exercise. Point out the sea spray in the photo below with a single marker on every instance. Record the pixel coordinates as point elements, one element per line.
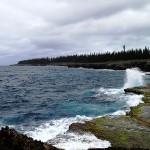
<point>55,133</point>
<point>135,100</point>
<point>52,128</point>
<point>84,141</point>
<point>134,77</point>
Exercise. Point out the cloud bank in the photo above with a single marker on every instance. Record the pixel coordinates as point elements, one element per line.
<point>37,28</point>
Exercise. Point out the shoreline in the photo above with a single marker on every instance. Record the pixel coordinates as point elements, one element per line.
<point>130,130</point>
<point>143,65</point>
<point>138,118</point>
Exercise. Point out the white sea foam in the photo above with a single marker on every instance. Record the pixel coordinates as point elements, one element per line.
<point>54,132</point>
<point>108,92</point>
<point>134,77</point>
<point>53,128</point>
<point>106,70</point>
<point>76,141</point>
<point>111,91</point>
<point>119,112</point>
<point>91,69</point>
<point>135,100</point>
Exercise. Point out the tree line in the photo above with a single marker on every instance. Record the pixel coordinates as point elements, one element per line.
<point>136,54</point>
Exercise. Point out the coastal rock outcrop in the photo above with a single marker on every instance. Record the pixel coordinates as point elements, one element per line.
<point>121,131</point>
<point>118,65</point>
<point>124,132</point>
<point>12,140</point>
<point>141,113</point>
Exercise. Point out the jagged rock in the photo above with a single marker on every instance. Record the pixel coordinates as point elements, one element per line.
<point>12,140</point>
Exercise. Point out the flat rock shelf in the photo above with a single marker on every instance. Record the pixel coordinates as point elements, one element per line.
<point>130,131</point>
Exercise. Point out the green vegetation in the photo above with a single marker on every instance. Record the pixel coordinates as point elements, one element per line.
<point>141,113</point>
<point>121,131</point>
<point>35,62</point>
<point>135,111</point>
<point>137,54</point>
<point>105,57</point>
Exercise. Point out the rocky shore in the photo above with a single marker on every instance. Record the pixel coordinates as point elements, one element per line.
<point>12,140</point>
<point>144,65</point>
<point>130,131</point>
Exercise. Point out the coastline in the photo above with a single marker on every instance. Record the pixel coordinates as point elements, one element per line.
<point>124,132</point>
<point>10,139</point>
<point>130,131</point>
<point>136,122</point>
<point>143,65</point>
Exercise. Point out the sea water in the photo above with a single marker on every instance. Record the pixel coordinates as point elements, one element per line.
<point>42,101</point>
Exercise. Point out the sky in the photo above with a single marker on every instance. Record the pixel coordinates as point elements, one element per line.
<point>50,28</point>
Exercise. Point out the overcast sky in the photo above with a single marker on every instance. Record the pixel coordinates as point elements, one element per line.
<point>48,28</point>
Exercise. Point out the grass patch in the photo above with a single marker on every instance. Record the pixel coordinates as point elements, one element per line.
<point>135,111</point>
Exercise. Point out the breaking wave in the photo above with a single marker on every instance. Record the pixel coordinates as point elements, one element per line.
<point>55,132</point>
<point>134,77</point>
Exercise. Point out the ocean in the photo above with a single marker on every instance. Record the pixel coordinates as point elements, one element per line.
<point>42,101</point>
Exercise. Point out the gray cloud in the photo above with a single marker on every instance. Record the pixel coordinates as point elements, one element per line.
<point>38,28</point>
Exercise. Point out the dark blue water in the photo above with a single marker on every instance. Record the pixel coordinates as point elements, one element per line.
<point>42,93</point>
<point>36,100</point>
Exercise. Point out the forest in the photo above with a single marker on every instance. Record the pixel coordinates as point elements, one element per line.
<point>137,54</point>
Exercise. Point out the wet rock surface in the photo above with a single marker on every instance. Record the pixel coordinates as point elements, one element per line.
<point>124,132</point>
<point>145,112</point>
<point>121,131</point>
<point>141,113</point>
<point>12,140</point>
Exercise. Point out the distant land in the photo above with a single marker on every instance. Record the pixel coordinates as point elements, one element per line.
<point>120,60</point>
